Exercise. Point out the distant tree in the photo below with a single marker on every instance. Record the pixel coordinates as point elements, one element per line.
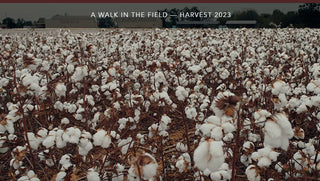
<point>165,23</point>
<point>277,17</point>
<point>264,21</point>
<point>310,14</point>
<point>9,22</point>
<point>20,23</point>
<point>106,22</point>
<point>246,15</point>
<point>173,19</point>
<point>291,19</point>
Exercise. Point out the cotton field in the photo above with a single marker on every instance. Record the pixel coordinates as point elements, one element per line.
<point>160,104</point>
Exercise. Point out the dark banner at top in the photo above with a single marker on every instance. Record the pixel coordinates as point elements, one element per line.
<point>158,1</point>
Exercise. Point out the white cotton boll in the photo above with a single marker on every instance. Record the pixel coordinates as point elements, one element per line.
<point>195,68</point>
<point>205,129</point>
<point>224,74</point>
<point>112,71</point>
<point>49,140</point>
<point>65,162</point>
<point>252,173</point>
<point>264,162</point>
<point>217,133</point>
<point>90,100</point>
<point>72,135</point>
<point>181,93</point>
<point>84,146</point>
<point>181,147</point>
<point>65,121</point>
<point>70,68</point>
<point>79,74</point>
<point>102,138</point>
<point>60,90</point>
<point>272,134</point>
<point>149,170</point>
<point>92,175</point>
<point>59,141</point>
<point>209,155</point>
<point>159,77</point>
<point>69,58</point>
<point>284,123</point>
<point>191,112</point>
<point>61,175</point>
<point>261,115</point>
<point>186,53</point>
<point>4,82</point>
<point>33,140</point>
<point>280,87</point>
<point>228,127</point>
<point>184,162</point>
<point>314,86</point>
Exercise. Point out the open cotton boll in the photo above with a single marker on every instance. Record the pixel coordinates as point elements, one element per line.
<point>79,74</point>
<point>65,162</point>
<point>60,90</point>
<point>183,163</point>
<point>143,164</point>
<point>191,112</point>
<point>72,135</point>
<point>181,93</point>
<point>209,155</point>
<point>84,146</point>
<point>252,173</point>
<point>314,86</point>
<point>280,87</point>
<point>92,175</point>
<point>278,131</point>
<point>265,156</point>
<point>33,140</point>
<point>102,138</point>
<point>49,140</point>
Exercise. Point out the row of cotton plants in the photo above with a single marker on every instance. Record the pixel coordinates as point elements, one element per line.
<point>160,104</point>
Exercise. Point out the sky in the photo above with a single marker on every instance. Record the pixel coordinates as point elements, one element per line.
<point>47,10</point>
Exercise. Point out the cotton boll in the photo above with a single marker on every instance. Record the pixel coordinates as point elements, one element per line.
<point>209,155</point>
<point>65,162</point>
<point>49,140</point>
<point>102,138</point>
<point>72,135</point>
<point>252,173</point>
<point>265,156</point>
<point>280,87</point>
<point>92,175</point>
<point>191,112</point>
<point>183,163</point>
<point>278,131</point>
<point>181,93</point>
<point>79,74</point>
<point>65,121</point>
<point>84,146</point>
<point>146,164</point>
<point>60,90</point>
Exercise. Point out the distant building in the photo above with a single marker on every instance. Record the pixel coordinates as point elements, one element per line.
<point>138,22</point>
<point>66,21</point>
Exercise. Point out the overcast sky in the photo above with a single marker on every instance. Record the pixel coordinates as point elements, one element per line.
<point>34,11</point>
